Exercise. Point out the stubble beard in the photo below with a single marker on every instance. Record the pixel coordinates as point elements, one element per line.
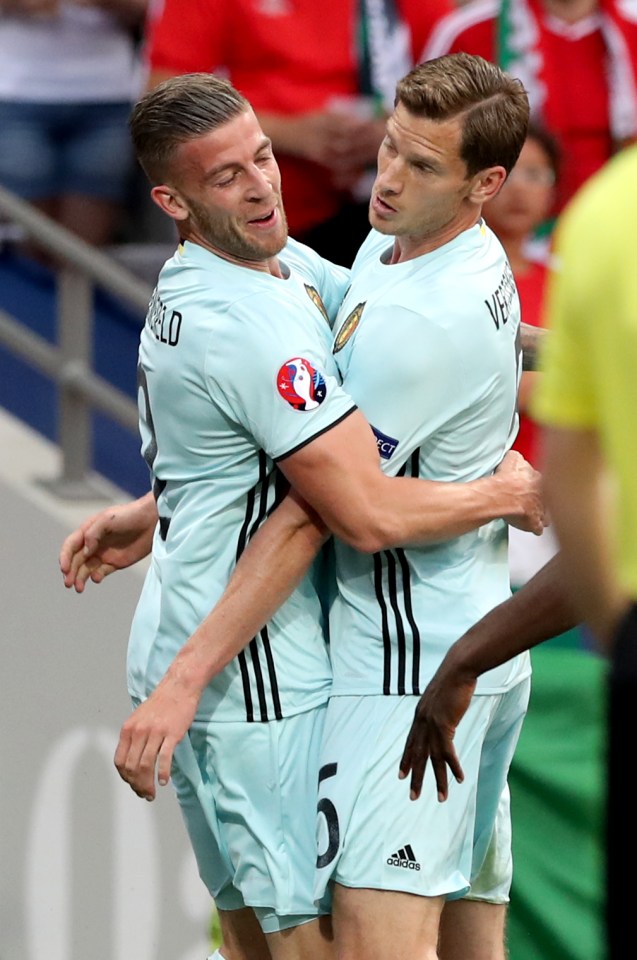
<point>225,236</point>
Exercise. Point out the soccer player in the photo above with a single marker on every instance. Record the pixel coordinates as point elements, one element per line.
<point>236,373</point>
<point>428,344</point>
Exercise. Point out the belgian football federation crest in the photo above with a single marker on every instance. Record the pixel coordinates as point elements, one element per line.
<point>300,384</point>
<point>315,297</point>
<point>348,327</point>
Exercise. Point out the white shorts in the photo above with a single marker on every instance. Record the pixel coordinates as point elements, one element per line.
<point>370,834</point>
<point>250,812</point>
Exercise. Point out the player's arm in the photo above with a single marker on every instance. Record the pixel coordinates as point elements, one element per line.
<point>112,539</point>
<point>338,474</point>
<point>539,610</point>
<point>578,491</point>
<point>280,553</point>
<point>272,564</point>
<point>531,340</point>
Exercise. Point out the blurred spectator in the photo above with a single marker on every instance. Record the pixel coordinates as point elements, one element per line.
<point>577,60</point>
<point>70,72</point>
<point>320,75</point>
<point>524,202</point>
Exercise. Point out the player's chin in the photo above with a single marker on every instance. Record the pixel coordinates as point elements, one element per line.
<point>267,244</point>
<point>268,251</point>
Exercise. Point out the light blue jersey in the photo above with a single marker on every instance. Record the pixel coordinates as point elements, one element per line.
<point>434,366</point>
<point>235,371</point>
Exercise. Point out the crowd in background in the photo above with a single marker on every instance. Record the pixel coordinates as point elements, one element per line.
<point>321,78</point>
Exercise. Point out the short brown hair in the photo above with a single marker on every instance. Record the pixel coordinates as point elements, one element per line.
<point>180,109</point>
<point>494,106</point>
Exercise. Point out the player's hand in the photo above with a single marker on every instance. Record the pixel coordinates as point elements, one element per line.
<point>148,739</point>
<point>430,738</point>
<point>525,485</point>
<point>113,539</point>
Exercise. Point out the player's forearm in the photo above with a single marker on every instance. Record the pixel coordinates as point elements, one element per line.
<point>272,565</point>
<point>400,511</point>
<point>338,474</point>
<point>531,344</point>
<point>145,509</point>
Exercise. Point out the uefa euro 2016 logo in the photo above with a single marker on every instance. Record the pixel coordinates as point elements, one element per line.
<point>300,384</point>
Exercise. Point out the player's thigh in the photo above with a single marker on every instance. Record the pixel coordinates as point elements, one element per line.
<point>472,930</point>
<point>265,789</point>
<point>378,924</point>
<point>309,940</point>
<point>370,834</point>
<point>242,937</point>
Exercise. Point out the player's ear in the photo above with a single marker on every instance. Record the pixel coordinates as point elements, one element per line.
<point>487,183</point>
<point>168,200</point>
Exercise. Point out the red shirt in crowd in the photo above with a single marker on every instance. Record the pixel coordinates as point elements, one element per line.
<point>531,285</point>
<point>574,71</point>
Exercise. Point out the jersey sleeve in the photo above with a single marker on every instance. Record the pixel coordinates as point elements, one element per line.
<point>284,390</point>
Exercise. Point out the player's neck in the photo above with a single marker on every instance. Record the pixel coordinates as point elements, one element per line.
<point>408,247</point>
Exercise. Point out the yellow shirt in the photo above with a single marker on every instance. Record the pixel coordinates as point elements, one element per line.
<point>590,358</point>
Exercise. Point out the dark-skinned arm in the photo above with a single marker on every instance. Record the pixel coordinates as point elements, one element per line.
<point>538,611</point>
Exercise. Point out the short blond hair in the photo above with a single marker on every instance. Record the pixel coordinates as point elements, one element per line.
<point>180,109</point>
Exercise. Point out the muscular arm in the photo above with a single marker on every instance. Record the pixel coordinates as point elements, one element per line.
<point>339,471</point>
<point>577,489</point>
<point>539,610</point>
<point>272,564</point>
<point>338,475</point>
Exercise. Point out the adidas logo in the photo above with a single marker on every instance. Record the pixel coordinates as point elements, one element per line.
<point>404,858</point>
